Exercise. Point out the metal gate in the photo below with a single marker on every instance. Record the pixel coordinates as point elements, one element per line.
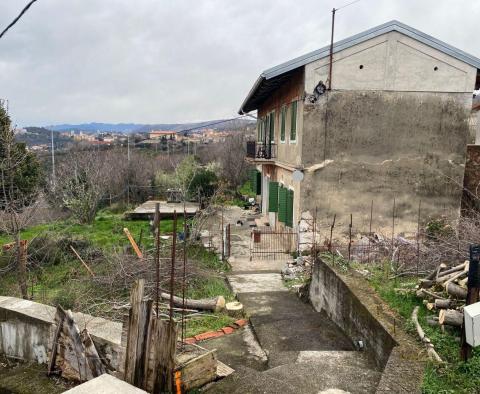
<point>267,243</point>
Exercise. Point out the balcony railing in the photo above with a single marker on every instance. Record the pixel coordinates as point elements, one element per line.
<point>260,150</point>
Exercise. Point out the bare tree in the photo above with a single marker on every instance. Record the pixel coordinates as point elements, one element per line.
<point>82,183</point>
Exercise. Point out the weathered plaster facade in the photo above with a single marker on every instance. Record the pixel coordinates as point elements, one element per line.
<point>395,125</point>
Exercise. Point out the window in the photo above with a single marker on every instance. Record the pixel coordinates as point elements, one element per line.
<point>293,126</point>
<point>267,128</point>
<point>272,126</point>
<point>283,116</point>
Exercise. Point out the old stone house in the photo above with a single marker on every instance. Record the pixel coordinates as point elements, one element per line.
<point>395,125</point>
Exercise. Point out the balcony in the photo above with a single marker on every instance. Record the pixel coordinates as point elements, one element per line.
<point>261,151</point>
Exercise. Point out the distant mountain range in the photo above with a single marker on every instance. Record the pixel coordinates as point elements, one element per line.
<point>219,124</point>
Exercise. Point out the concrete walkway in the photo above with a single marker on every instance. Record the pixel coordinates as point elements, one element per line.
<point>306,352</point>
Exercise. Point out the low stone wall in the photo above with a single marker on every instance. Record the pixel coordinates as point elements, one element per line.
<point>27,329</point>
<point>351,304</point>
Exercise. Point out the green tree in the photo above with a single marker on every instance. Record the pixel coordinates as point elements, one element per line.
<point>20,177</point>
<point>20,171</point>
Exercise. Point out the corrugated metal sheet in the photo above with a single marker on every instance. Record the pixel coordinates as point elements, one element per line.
<point>269,79</point>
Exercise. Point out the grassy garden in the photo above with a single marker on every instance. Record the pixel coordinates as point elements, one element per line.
<point>56,276</point>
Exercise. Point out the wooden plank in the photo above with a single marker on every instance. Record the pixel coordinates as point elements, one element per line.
<point>134,244</point>
<point>165,345</point>
<point>199,371</point>
<point>53,355</point>
<point>223,370</point>
<point>133,333</point>
<point>71,353</point>
<point>93,359</point>
<point>81,260</point>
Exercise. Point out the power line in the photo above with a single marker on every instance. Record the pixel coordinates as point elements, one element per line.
<point>346,5</point>
<point>17,18</point>
<point>211,124</point>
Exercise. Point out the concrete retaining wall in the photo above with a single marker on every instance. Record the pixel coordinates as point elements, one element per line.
<point>361,314</point>
<point>329,293</point>
<point>27,329</point>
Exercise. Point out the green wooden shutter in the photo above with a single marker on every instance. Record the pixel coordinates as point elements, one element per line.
<point>282,124</point>
<point>282,204</point>
<point>259,183</point>
<point>293,127</point>
<point>289,210</point>
<point>256,181</point>
<point>273,197</point>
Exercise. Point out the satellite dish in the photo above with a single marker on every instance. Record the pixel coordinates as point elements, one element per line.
<point>297,176</point>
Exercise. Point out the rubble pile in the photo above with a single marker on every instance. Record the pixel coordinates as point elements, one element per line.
<point>299,268</point>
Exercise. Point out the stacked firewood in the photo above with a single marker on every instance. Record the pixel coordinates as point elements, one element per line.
<point>445,290</point>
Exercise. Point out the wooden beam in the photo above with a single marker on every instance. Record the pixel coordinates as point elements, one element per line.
<point>81,260</point>
<point>134,244</point>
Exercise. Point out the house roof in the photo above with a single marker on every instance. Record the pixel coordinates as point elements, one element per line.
<point>273,77</point>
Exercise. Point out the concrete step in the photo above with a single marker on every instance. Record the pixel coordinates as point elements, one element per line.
<point>336,357</point>
<point>302,378</point>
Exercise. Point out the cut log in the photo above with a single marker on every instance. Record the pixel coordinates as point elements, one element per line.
<point>434,274</point>
<point>456,291</point>
<point>450,317</point>
<point>428,344</point>
<point>423,293</point>
<point>432,322</point>
<point>426,283</point>
<point>463,282</point>
<point>430,305</point>
<point>234,309</point>
<point>459,267</point>
<point>457,275</point>
<point>442,304</point>
<point>216,304</point>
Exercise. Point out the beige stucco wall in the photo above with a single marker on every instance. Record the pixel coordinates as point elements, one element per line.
<point>393,61</point>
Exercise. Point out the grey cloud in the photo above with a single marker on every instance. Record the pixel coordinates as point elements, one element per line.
<point>183,60</point>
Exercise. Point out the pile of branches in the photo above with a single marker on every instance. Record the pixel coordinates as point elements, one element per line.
<point>121,270</point>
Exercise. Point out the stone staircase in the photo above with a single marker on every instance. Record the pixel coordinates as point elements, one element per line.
<point>312,372</point>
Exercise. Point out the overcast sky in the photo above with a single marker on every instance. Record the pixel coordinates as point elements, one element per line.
<point>150,61</point>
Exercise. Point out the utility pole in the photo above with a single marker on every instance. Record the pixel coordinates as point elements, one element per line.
<point>128,148</point>
<point>53,159</point>
<point>128,175</point>
<point>331,52</point>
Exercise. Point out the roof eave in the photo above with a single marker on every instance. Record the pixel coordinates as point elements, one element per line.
<point>252,91</point>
